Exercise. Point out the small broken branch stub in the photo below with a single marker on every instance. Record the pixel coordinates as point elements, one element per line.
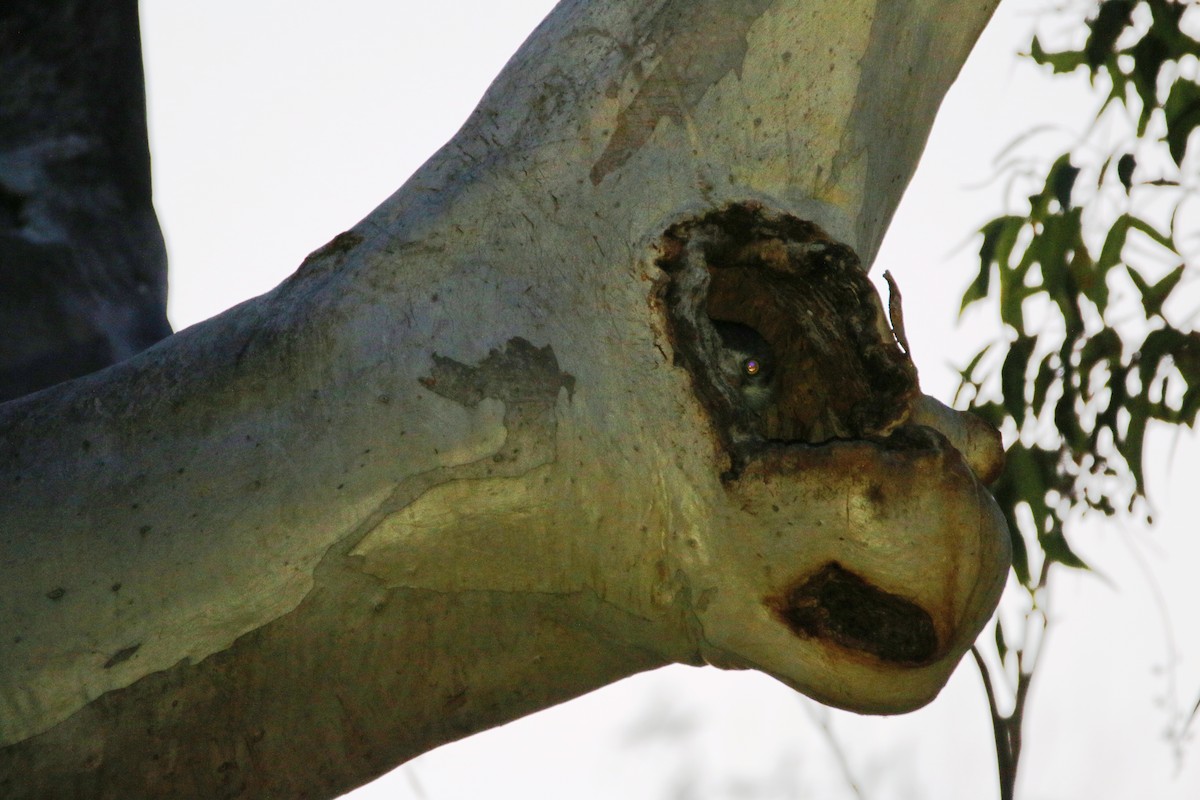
<point>781,331</point>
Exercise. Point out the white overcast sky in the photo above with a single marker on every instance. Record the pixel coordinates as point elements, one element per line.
<point>277,124</point>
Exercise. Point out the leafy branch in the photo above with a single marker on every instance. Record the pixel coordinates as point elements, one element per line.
<point>1085,282</point>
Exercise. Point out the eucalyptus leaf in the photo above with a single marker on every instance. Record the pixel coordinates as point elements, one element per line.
<point>1126,164</point>
<point>1182,111</point>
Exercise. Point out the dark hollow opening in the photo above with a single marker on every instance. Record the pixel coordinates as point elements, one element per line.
<point>837,605</point>
<point>780,329</point>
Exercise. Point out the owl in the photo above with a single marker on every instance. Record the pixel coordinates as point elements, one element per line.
<point>745,362</point>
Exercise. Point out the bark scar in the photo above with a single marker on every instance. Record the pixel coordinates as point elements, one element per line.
<point>527,380</point>
<point>453,513</point>
<point>680,80</point>
<point>520,373</point>
<point>838,606</point>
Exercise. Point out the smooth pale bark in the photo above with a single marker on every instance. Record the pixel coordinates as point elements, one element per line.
<point>452,471</point>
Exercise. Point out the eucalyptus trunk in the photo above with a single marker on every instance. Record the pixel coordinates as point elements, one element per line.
<point>500,444</point>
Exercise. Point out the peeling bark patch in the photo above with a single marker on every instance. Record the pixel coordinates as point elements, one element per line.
<point>680,79</point>
<point>520,373</point>
<point>122,655</point>
<point>835,374</point>
<point>527,380</point>
<point>837,605</point>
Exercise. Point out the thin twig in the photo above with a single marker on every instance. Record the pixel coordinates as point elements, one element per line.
<point>839,755</point>
<point>1004,761</point>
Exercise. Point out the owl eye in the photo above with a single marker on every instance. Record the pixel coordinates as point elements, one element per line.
<point>751,366</point>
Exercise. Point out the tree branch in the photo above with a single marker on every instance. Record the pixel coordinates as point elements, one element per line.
<point>83,282</point>
<point>451,471</point>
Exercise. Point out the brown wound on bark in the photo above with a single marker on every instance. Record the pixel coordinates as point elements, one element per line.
<point>836,605</point>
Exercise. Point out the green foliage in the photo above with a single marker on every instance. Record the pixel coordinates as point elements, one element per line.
<point>1134,61</point>
<point>1080,381</point>
<point>1087,283</point>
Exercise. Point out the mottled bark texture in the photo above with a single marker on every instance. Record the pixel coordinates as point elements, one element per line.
<point>83,273</point>
<point>603,387</point>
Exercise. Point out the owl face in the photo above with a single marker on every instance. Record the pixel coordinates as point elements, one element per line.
<point>746,363</point>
